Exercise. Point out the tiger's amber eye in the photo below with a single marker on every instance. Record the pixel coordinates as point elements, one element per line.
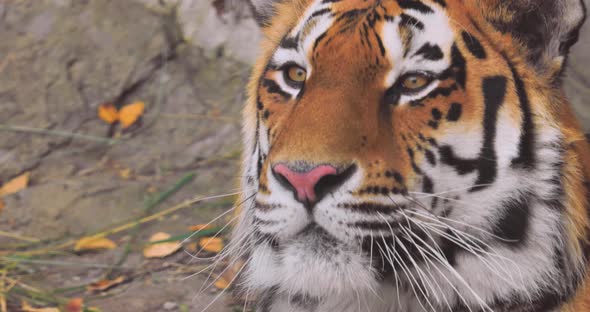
<point>296,74</point>
<point>415,82</point>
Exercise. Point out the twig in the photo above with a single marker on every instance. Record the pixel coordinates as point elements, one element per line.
<point>58,133</point>
<point>201,117</point>
<point>127,226</point>
<point>149,206</point>
<point>201,233</point>
<point>61,263</point>
<point>20,237</point>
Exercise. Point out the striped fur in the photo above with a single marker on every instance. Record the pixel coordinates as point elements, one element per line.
<point>469,194</point>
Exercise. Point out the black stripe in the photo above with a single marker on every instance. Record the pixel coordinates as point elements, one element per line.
<point>320,13</point>
<point>351,15</point>
<point>458,66</point>
<point>430,52</point>
<point>318,40</point>
<point>513,221</point>
<point>410,21</point>
<point>463,166</point>
<point>415,5</point>
<point>494,92</point>
<point>427,185</point>
<point>526,155</point>
<point>368,225</point>
<point>380,43</point>
<point>455,112</point>
<point>430,157</point>
<point>473,45</point>
<point>441,92</point>
<point>290,43</point>
<point>273,87</point>
<point>366,35</point>
<point>442,3</point>
<point>436,114</point>
<point>370,208</point>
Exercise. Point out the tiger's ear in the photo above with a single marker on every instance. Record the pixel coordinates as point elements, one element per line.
<point>546,28</point>
<point>263,10</point>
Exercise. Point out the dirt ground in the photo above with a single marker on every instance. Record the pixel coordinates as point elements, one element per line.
<point>60,60</point>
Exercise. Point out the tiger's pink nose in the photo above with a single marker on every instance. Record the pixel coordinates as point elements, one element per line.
<point>303,183</point>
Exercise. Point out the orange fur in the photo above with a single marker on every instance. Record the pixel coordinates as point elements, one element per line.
<point>353,82</point>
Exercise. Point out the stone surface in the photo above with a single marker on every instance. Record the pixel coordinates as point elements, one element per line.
<point>59,60</point>
<point>225,27</point>
<point>577,84</point>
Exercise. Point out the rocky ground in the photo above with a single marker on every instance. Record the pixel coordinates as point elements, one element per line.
<point>188,61</point>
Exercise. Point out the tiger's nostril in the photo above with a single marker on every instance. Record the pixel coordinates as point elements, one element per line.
<point>311,185</point>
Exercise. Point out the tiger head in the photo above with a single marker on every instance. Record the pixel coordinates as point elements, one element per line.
<point>403,155</point>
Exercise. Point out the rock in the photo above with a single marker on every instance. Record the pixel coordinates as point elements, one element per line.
<point>231,30</point>
<point>62,60</point>
<point>577,82</point>
<point>169,306</point>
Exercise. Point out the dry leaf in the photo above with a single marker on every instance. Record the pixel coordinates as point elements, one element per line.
<point>108,113</point>
<point>129,114</point>
<point>125,173</point>
<point>94,243</point>
<point>1,205</point>
<point>200,227</point>
<point>191,247</point>
<point>221,283</point>
<point>105,284</point>
<point>25,307</point>
<point>161,250</point>
<point>211,244</point>
<point>15,185</point>
<point>229,275</point>
<point>74,305</point>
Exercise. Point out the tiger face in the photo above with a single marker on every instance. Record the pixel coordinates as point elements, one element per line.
<point>405,155</point>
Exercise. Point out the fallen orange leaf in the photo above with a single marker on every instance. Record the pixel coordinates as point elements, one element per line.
<point>225,280</point>
<point>25,307</point>
<point>15,185</point>
<point>161,250</point>
<point>129,114</point>
<point>105,284</point>
<point>108,113</point>
<point>191,247</point>
<point>199,227</point>
<point>74,305</point>
<point>125,173</point>
<point>94,243</point>
<point>211,244</point>
<point>221,283</point>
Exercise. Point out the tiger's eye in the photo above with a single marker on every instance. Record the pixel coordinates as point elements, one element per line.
<point>296,74</point>
<point>415,82</point>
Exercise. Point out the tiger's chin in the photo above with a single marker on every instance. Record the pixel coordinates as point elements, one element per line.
<point>311,267</point>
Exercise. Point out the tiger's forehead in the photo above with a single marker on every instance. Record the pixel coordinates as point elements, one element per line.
<point>405,34</point>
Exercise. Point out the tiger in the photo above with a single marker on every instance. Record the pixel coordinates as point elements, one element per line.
<point>413,155</point>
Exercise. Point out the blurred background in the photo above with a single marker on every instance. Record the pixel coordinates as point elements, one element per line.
<point>120,124</point>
